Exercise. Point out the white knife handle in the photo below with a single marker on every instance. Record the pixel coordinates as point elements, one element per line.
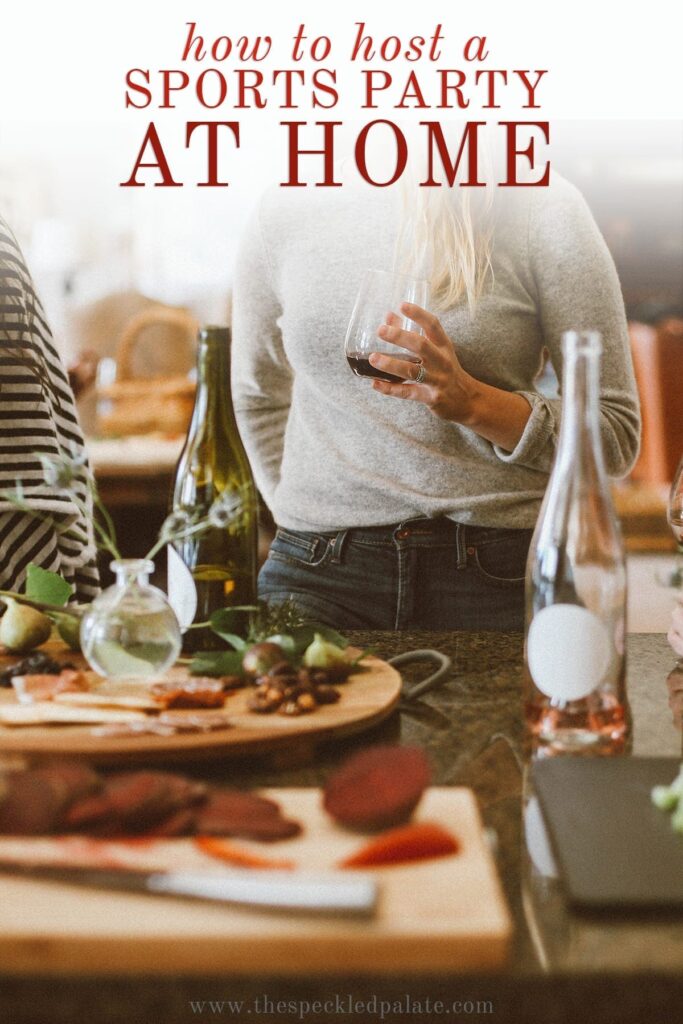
<point>275,889</point>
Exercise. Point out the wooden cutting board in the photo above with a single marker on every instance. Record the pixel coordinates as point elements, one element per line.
<point>444,914</point>
<point>367,698</point>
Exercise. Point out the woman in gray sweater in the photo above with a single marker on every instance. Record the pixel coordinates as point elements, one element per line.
<point>411,505</point>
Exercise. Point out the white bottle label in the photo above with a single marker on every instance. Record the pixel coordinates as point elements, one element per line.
<point>568,651</point>
<point>182,592</point>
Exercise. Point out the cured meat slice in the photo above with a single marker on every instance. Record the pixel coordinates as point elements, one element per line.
<point>190,693</point>
<point>32,688</point>
<point>377,788</point>
<point>28,807</point>
<point>179,823</point>
<point>134,801</point>
<point>69,780</point>
<point>231,812</point>
<point>65,797</point>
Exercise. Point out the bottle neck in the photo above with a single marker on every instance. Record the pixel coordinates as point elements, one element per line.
<point>580,441</point>
<point>132,570</point>
<point>213,402</point>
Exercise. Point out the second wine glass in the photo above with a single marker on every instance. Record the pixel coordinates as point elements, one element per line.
<point>381,292</point>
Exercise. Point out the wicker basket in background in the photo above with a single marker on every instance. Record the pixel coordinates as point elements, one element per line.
<point>143,405</point>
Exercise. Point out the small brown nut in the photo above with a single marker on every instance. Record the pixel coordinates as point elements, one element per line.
<point>339,673</point>
<point>290,707</point>
<point>306,702</point>
<point>265,699</point>
<point>261,707</point>
<point>285,679</point>
<point>327,695</point>
<point>292,692</point>
<point>282,668</point>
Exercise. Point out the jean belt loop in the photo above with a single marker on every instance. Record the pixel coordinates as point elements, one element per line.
<point>461,545</point>
<point>337,546</point>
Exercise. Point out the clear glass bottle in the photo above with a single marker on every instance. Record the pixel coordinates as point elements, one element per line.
<point>217,567</point>
<point>130,630</point>
<point>575,692</point>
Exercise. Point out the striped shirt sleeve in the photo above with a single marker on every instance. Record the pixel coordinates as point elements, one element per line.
<point>37,417</point>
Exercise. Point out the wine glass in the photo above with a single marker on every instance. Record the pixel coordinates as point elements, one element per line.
<point>675,509</point>
<point>674,515</point>
<point>381,292</point>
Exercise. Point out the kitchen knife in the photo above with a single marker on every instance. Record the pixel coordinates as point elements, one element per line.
<point>269,890</point>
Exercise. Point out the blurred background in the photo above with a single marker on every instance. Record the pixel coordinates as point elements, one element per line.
<point>127,275</point>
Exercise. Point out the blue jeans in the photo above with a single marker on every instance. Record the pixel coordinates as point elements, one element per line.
<point>420,574</point>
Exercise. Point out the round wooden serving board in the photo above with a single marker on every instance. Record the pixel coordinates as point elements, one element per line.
<point>367,698</point>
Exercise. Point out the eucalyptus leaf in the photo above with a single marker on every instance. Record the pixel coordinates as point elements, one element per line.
<point>327,633</point>
<point>303,636</point>
<point>122,662</point>
<point>48,587</point>
<point>233,639</point>
<point>217,663</point>
<point>363,654</point>
<point>285,641</point>
<point>225,623</point>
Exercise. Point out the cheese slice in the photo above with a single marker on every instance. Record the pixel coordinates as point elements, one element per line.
<point>52,713</point>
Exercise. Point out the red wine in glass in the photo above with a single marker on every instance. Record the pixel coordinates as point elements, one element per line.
<point>362,367</point>
<point>381,292</point>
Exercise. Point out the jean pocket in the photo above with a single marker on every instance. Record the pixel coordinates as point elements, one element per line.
<point>299,548</point>
<point>502,560</point>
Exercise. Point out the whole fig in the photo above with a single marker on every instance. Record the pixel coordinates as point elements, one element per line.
<point>321,653</point>
<point>22,628</point>
<point>68,627</point>
<point>261,657</point>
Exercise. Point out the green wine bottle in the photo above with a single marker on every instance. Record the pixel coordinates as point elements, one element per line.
<point>215,568</point>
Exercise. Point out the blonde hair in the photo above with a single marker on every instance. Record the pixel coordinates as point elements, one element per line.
<point>446,236</point>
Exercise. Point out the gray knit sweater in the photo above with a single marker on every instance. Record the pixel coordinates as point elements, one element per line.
<point>328,452</point>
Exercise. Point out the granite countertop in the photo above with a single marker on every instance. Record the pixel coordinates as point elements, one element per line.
<point>471,727</point>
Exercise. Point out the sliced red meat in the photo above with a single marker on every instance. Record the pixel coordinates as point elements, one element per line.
<point>179,823</point>
<point>267,831</point>
<point>133,801</point>
<point>230,812</point>
<point>67,797</point>
<point>192,693</point>
<point>28,807</point>
<point>377,788</point>
<point>69,780</point>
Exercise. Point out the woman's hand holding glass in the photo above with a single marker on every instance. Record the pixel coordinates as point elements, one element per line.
<point>438,380</point>
<point>441,383</point>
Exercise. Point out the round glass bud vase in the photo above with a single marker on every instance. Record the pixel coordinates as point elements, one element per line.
<point>130,631</point>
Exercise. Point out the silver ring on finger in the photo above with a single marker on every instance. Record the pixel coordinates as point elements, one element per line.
<point>421,374</point>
